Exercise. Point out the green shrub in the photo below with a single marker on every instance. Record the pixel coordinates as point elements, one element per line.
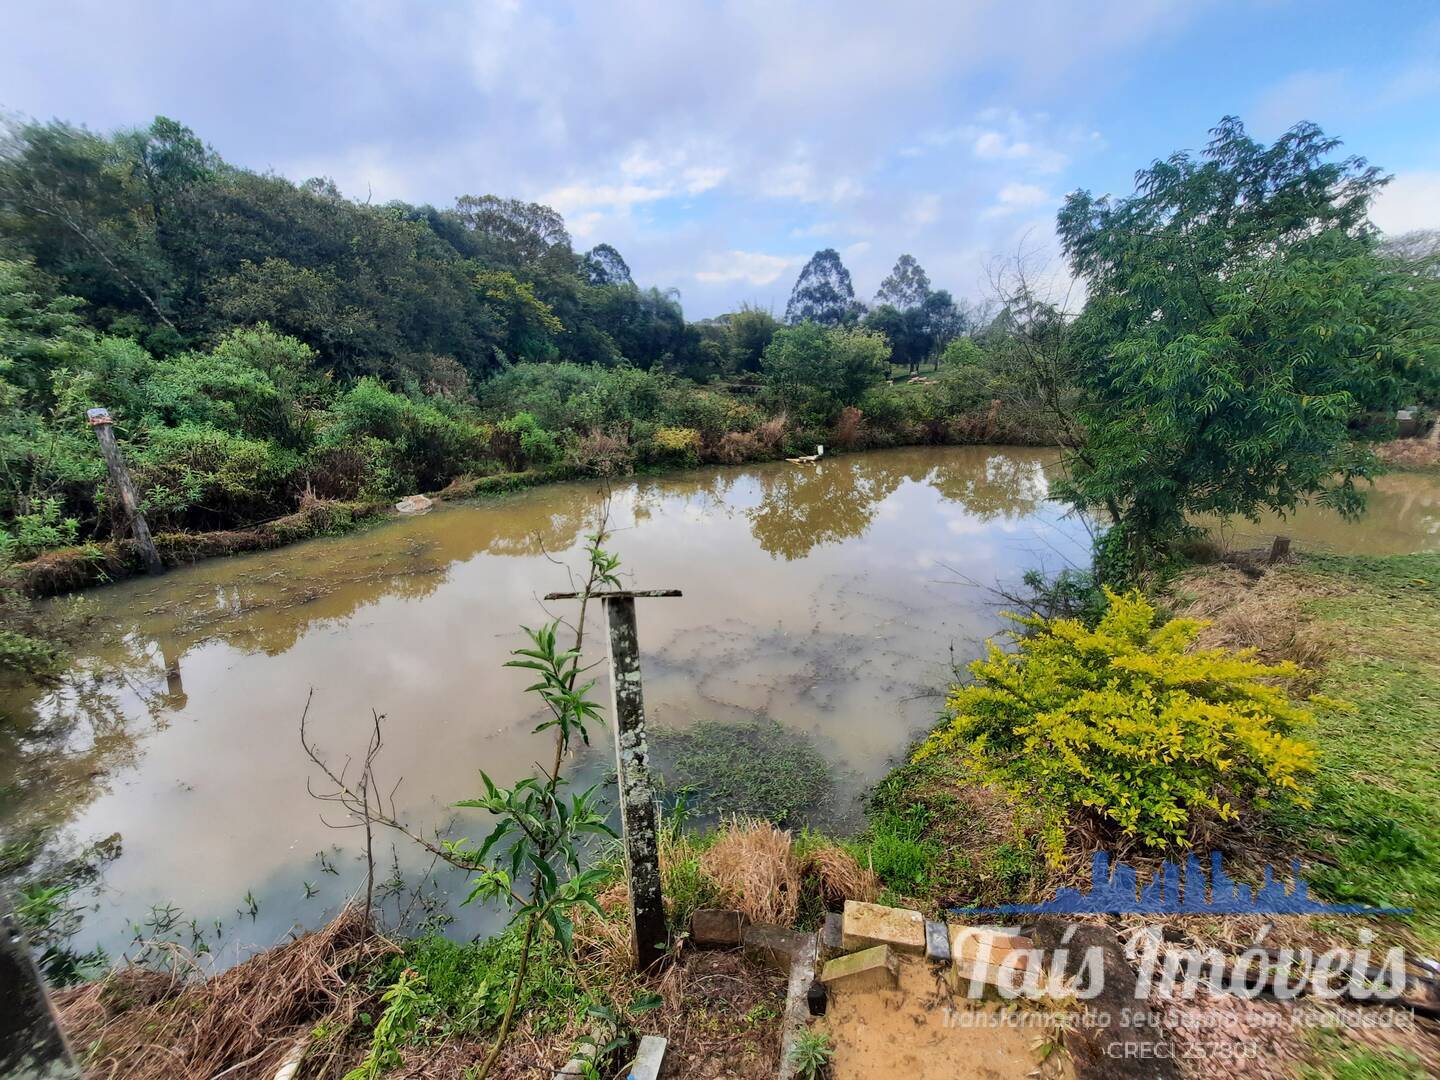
<point>199,475</point>
<point>411,445</point>
<point>44,527</point>
<point>811,1054</point>
<point>814,371</point>
<point>524,443</point>
<point>675,446</point>
<point>1125,724</point>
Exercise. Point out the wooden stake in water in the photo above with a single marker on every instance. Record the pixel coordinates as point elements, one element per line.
<point>129,497</point>
<point>632,767</point>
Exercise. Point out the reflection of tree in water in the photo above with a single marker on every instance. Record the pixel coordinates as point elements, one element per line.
<point>1003,486</point>
<point>550,532</point>
<point>1412,501</point>
<point>58,745</point>
<point>804,507</point>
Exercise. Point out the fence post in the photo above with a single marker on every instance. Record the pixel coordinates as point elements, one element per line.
<point>637,796</point>
<point>129,497</point>
<point>638,819</point>
<point>32,1046</point>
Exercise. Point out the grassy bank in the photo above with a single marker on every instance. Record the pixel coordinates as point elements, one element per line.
<point>1367,627</point>
<point>363,1004</point>
<point>66,569</point>
<point>1364,628</point>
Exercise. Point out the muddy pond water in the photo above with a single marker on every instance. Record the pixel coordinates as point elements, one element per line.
<point>824,600</point>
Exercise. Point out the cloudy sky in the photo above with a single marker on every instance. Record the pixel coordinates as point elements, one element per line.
<point>718,143</point>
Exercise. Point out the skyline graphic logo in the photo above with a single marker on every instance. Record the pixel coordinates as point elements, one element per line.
<point>1182,889</point>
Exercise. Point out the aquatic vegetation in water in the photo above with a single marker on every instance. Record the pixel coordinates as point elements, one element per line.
<point>755,769</point>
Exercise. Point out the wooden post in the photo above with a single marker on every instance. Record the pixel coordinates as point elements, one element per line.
<point>639,828</point>
<point>129,497</point>
<point>1279,549</point>
<point>32,1046</point>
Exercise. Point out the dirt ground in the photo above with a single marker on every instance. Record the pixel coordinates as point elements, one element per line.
<point>920,1032</point>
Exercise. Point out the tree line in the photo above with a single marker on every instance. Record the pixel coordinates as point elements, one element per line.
<point>1245,332</point>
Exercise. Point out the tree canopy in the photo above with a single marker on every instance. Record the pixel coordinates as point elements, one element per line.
<point>1240,319</point>
<point>823,292</point>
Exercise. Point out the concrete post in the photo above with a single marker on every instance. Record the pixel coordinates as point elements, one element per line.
<point>129,497</point>
<point>32,1047</point>
<point>637,797</point>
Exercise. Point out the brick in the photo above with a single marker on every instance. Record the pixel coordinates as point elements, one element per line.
<point>964,972</point>
<point>870,969</point>
<point>717,928</point>
<point>832,936</point>
<point>773,946</point>
<point>967,942</point>
<point>867,925</point>
<point>937,942</point>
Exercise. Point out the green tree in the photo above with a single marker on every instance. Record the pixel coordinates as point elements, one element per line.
<point>605,266</point>
<point>815,371</point>
<point>751,329</point>
<point>1239,322</point>
<point>823,292</point>
<point>906,286</point>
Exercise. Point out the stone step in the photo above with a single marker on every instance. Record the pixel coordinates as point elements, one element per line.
<point>876,968</point>
<point>868,925</point>
<point>648,1059</point>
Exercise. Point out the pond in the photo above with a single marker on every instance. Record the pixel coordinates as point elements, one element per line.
<point>823,599</point>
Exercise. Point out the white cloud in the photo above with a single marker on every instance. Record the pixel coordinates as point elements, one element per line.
<point>750,267</point>
<point>803,180</point>
<point>1410,201</point>
<point>994,146</point>
<point>573,198</point>
<point>1008,136</point>
<point>924,210</point>
<point>1014,197</point>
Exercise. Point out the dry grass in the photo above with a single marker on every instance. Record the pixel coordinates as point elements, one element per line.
<point>755,867</point>
<point>1248,609</point>
<point>138,1024</point>
<point>1410,453</point>
<point>837,877</point>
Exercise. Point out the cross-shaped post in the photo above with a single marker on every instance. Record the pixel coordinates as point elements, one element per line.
<point>639,831</point>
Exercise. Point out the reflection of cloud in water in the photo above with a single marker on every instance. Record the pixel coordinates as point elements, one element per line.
<point>818,597</point>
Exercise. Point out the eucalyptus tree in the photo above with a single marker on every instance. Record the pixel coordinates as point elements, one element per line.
<point>823,292</point>
<point>605,266</point>
<point>907,285</point>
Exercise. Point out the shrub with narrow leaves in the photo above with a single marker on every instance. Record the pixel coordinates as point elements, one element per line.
<point>1128,725</point>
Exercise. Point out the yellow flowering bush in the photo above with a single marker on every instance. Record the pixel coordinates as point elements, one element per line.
<point>675,446</point>
<point>1123,723</point>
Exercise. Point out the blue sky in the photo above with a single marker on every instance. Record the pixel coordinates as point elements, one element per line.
<point>718,144</point>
